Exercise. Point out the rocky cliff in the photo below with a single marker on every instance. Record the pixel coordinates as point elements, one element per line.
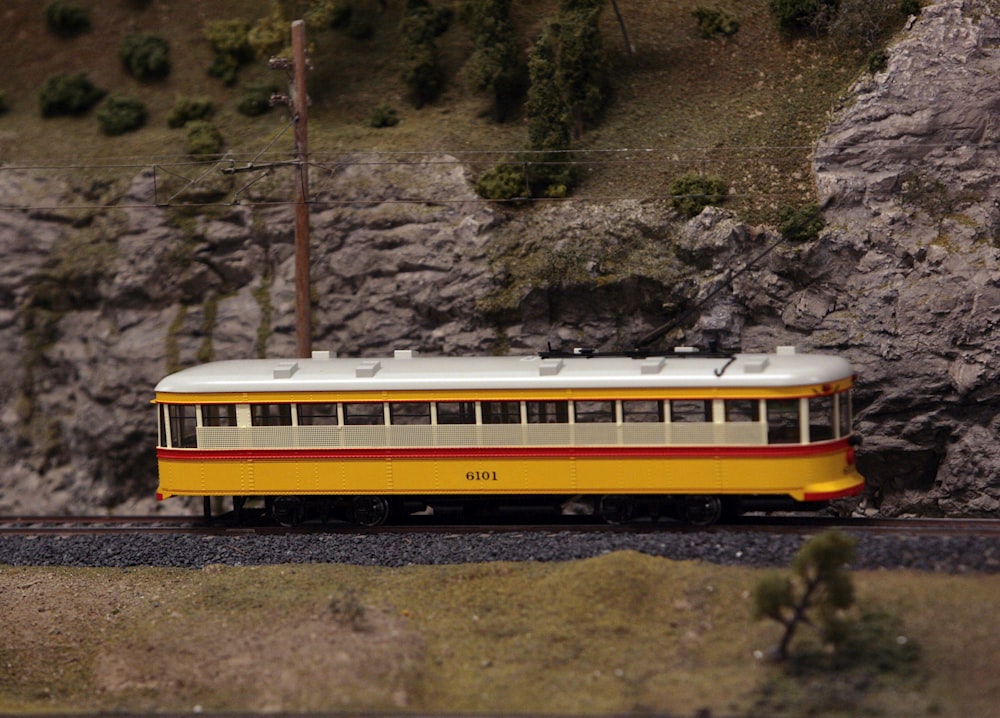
<point>99,302</point>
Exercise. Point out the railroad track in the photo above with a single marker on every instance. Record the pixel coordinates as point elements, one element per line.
<point>515,522</point>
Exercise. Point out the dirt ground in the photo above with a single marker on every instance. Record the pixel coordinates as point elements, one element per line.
<point>617,634</point>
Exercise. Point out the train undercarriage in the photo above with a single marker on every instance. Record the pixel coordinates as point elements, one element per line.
<point>375,510</point>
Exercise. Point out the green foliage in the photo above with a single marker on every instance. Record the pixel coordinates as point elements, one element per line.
<point>203,139</point>
<point>568,72</point>
<point>801,224</point>
<point>146,56</point>
<point>502,182</point>
<point>423,71</point>
<point>495,65</point>
<point>121,114</point>
<point>186,109</point>
<point>713,22</point>
<point>66,18</point>
<point>819,585</point>
<point>877,61</point>
<point>692,192</point>
<point>230,43</point>
<point>256,98</point>
<point>910,7</point>
<point>68,93</point>
<point>797,15</point>
<point>383,115</point>
<point>537,175</point>
<point>269,36</point>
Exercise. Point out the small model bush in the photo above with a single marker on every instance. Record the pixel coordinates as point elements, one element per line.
<point>713,22</point>
<point>230,43</point>
<point>692,192</point>
<point>188,109</point>
<point>146,56</point>
<point>256,98</point>
<point>66,18</point>
<point>121,114</point>
<point>423,71</point>
<point>384,115</point>
<point>203,139</point>
<point>68,93</point>
<point>502,182</point>
<point>798,15</point>
<point>801,224</point>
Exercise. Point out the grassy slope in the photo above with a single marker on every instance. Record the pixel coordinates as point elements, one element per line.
<point>622,633</point>
<point>746,108</point>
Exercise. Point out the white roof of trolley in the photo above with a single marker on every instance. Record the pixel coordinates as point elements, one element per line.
<point>407,371</point>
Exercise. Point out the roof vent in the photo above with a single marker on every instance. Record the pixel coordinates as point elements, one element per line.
<point>323,354</point>
<point>786,350</point>
<point>685,350</point>
<point>755,366</point>
<point>550,367</point>
<point>285,369</point>
<point>652,366</point>
<point>404,353</point>
<point>368,368</point>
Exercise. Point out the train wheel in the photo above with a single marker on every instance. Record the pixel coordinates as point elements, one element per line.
<point>701,510</point>
<point>616,509</point>
<point>369,510</point>
<point>288,510</point>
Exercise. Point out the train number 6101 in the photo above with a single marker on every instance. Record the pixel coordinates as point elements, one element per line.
<point>480,476</point>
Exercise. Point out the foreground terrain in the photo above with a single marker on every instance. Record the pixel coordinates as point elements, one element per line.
<point>623,632</point>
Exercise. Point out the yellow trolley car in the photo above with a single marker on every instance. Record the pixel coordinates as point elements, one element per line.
<point>687,435</point>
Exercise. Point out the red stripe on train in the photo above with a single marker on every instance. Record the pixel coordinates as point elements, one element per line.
<point>508,452</point>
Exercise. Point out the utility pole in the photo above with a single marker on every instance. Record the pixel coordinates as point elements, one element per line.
<point>300,110</point>
<point>299,102</point>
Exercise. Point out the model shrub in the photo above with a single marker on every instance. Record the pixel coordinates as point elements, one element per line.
<point>692,192</point>
<point>798,15</point>
<point>66,18</point>
<point>713,22</point>
<point>230,43</point>
<point>68,93</point>
<point>121,114</point>
<point>256,98</point>
<point>502,182</point>
<point>187,109</point>
<point>146,56</point>
<point>384,115</point>
<point>801,224</point>
<point>203,139</point>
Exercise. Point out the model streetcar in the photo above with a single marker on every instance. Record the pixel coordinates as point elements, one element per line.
<point>684,435</point>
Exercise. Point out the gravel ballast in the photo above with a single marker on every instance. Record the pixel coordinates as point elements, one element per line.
<point>949,554</point>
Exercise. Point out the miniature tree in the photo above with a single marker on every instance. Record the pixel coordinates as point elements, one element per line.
<point>817,594</point>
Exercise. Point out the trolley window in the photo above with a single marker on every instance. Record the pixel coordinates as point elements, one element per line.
<point>409,413</point>
<point>501,412</point>
<point>689,410</point>
<point>783,421</point>
<point>844,407</point>
<point>183,426</point>
<point>635,411</point>
<point>363,414</point>
<point>271,414</point>
<point>218,414</point>
<point>161,435</point>
<point>594,412</point>
<point>742,409</point>
<point>547,412</point>
<point>456,412</point>
<point>318,414</point>
<point>821,423</point>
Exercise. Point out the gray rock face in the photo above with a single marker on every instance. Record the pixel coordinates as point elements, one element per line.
<point>97,305</point>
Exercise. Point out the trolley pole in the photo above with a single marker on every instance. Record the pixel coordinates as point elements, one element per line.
<point>300,110</point>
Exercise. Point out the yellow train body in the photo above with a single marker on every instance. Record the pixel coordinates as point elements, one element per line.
<point>775,425</point>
